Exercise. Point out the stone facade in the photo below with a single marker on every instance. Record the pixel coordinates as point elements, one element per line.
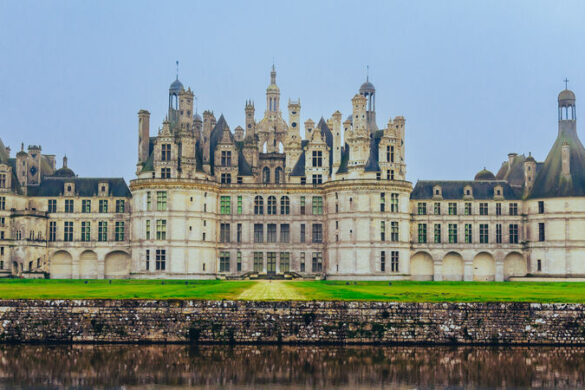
<point>293,322</point>
<point>267,199</point>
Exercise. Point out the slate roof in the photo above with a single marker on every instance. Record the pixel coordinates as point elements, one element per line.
<point>299,168</point>
<point>514,176</point>
<point>54,186</point>
<point>372,165</point>
<point>453,190</point>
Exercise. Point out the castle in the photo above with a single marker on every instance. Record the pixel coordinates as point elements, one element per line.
<point>210,202</point>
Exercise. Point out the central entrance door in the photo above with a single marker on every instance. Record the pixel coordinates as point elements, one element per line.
<point>271,263</point>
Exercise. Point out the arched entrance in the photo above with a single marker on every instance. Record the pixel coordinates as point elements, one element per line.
<point>452,267</point>
<point>61,265</point>
<point>514,265</point>
<point>484,267</point>
<point>117,265</point>
<point>421,266</point>
<point>88,265</point>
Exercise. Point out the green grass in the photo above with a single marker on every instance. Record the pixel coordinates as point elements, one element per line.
<point>403,291</point>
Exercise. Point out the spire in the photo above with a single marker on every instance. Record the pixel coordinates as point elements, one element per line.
<point>273,75</point>
<point>177,69</point>
<point>367,73</point>
<point>65,161</point>
<point>566,83</point>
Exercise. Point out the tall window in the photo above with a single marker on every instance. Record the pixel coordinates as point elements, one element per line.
<point>483,209</point>
<point>467,209</point>
<point>52,231</point>
<point>258,233</point>
<point>499,233</point>
<point>317,158</point>
<point>271,262</point>
<point>68,232</point>
<point>271,232</point>
<point>68,205</point>
<point>541,231</point>
<point>224,232</point>
<point>383,261</point>
<point>225,205</point>
<point>102,231</point>
<point>285,205</point>
<point>226,178</point>
<point>103,206</point>
<point>498,209</point>
<point>2,180</point>
<point>317,262</point>
<point>266,175</point>
<point>239,261</point>
<point>147,258</point>
<point>85,231</point>
<point>513,208</point>
<point>258,261</point>
<point>452,233</point>
<point>382,201</point>
<point>161,259</point>
<point>394,261</point>
<point>317,179</point>
<point>302,235</point>
<point>226,158</point>
<point>394,231</point>
<point>120,205</point>
<point>452,208</point>
<point>120,233</point>
<point>302,261</point>
<point>278,175</point>
<point>437,208</point>
<point>258,205</point>
<point>148,201</point>
<point>483,233</point>
<point>224,262</point>
<point>303,209</point>
<point>317,232</point>
<point>86,206</point>
<point>468,233</point>
<point>437,233</point>
<point>317,205</point>
<point>513,228</point>
<point>284,232</point>
<point>284,261</point>
<point>165,173</point>
<point>394,203</point>
<point>271,205</point>
<point>540,207</point>
<point>161,229</point>
<point>239,204</point>
<point>165,154</point>
<point>382,231</point>
<point>422,233</point>
<point>148,229</point>
<point>239,233</point>
<point>422,208</point>
<point>52,205</point>
<point>161,200</point>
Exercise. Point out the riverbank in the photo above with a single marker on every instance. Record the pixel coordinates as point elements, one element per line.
<point>292,322</point>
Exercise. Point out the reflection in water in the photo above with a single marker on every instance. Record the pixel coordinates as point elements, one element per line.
<point>291,367</point>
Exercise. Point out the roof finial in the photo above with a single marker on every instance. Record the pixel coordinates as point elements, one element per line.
<point>367,72</point>
<point>566,80</point>
<point>22,146</point>
<point>196,105</point>
<point>177,69</point>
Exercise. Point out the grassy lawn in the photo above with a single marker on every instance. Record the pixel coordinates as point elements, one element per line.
<point>296,290</point>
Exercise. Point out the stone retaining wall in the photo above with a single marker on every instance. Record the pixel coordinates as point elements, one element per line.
<point>189,321</point>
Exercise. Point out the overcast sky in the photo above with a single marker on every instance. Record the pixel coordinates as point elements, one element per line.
<point>475,80</point>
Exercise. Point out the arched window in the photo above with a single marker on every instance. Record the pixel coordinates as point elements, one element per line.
<point>278,175</point>
<point>258,205</point>
<point>266,175</point>
<point>271,206</point>
<point>284,205</point>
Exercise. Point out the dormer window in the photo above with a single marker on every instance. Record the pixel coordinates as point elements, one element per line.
<point>468,192</point>
<point>103,189</point>
<point>69,189</point>
<point>437,192</point>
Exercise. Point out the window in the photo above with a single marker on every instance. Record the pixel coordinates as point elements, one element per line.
<point>225,205</point>
<point>120,205</point>
<point>302,238</point>
<point>513,228</point>
<point>498,233</point>
<point>284,232</point>
<point>148,201</point>
<point>52,231</point>
<point>541,231</point>
<point>513,208</point>
<point>271,232</point>
<point>68,232</point>
<point>483,233</point>
<point>52,205</point>
<point>271,206</point>
<point>161,229</point>
<point>317,158</point>
<point>389,153</point>
<point>394,203</point>
<point>317,205</point>
<point>226,178</point>
<point>498,209</point>
<point>239,262</point>
<point>258,205</point>
<point>483,209</point>
<point>161,259</point>
<point>148,229</point>
<point>394,261</point>
<point>103,206</point>
<point>239,233</point>
<point>85,231</point>
<point>271,262</point>
<point>103,231</point>
<point>226,158</point>
<point>539,265</point>
<point>540,207</point>
<point>437,234</point>
<point>120,231</point>
<point>317,179</point>
<point>161,200</point>
<point>302,261</point>
<point>147,257</point>
<point>303,180</point>
<point>467,209</point>
<point>383,261</point>
<point>382,201</point>
<point>422,233</point>
<point>68,205</point>
<point>390,174</point>
<point>394,231</point>
<point>2,203</point>
<point>165,152</point>
<point>266,175</point>
<point>317,232</point>
<point>258,261</point>
<point>224,262</point>
<point>278,175</point>
<point>285,205</point>
<point>239,180</point>
<point>317,262</point>
<point>378,176</point>
<point>2,180</point>
<point>452,208</point>
<point>258,233</point>
<point>382,231</point>
<point>165,173</point>
<point>468,233</point>
<point>86,206</point>
<point>284,261</point>
<point>422,209</point>
<point>452,233</point>
<point>303,210</point>
<point>224,232</point>
<point>437,208</point>
<point>239,204</point>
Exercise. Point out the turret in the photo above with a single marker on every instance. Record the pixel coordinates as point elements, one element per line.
<point>529,173</point>
<point>567,112</point>
<point>250,122</point>
<point>335,125</point>
<point>143,136</point>
<point>185,110</point>
<point>22,166</point>
<point>294,117</point>
<point>34,166</point>
<point>273,94</point>
<point>358,138</point>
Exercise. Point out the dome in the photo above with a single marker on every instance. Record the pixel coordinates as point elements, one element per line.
<point>367,87</point>
<point>197,117</point>
<point>567,94</point>
<point>64,172</point>
<point>484,174</point>
<point>530,159</point>
<point>176,86</point>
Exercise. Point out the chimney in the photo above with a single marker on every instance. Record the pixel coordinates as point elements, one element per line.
<point>565,161</point>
